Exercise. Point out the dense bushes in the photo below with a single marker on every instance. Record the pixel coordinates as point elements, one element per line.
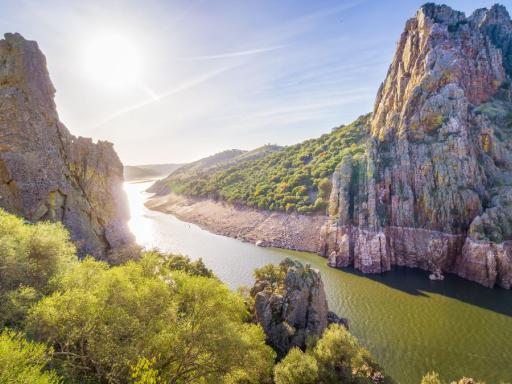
<point>103,320</point>
<point>162,318</point>
<point>293,179</point>
<point>30,256</point>
<point>23,362</point>
<point>336,358</point>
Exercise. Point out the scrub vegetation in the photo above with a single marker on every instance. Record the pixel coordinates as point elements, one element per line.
<point>292,179</point>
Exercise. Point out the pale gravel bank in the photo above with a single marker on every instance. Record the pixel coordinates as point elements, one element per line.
<point>270,229</point>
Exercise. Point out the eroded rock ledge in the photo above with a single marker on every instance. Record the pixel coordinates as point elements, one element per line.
<point>45,172</point>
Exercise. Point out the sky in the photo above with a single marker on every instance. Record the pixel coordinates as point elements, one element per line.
<point>174,81</point>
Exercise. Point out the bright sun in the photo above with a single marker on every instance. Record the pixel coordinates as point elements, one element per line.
<point>112,60</point>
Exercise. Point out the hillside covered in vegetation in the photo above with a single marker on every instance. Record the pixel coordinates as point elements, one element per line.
<point>296,178</point>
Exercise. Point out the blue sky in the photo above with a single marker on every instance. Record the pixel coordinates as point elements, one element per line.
<point>203,76</point>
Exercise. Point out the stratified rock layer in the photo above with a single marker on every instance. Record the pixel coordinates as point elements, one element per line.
<point>294,310</point>
<point>434,191</point>
<point>45,172</point>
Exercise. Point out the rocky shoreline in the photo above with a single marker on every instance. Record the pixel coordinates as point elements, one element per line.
<point>434,251</point>
<point>263,228</point>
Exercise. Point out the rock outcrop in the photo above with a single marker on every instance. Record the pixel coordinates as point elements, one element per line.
<point>291,306</point>
<point>435,188</point>
<point>45,172</point>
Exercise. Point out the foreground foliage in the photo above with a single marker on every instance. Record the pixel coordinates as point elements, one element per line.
<point>23,362</point>
<point>293,179</point>
<point>162,318</point>
<point>102,321</point>
<point>30,256</point>
<point>336,358</point>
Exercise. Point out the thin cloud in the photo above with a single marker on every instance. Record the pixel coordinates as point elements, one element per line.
<point>159,97</point>
<point>248,52</point>
<point>305,23</point>
<point>182,15</point>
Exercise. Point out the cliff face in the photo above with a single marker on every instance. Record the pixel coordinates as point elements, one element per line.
<point>45,172</point>
<point>293,307</point>
<point>435,188</point>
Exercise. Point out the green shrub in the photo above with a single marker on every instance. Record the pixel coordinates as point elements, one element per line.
<point>23,362</point>
<point>31,255</point>
<point>296,368</point>
<point>103,321</point>
<point>336,358</point>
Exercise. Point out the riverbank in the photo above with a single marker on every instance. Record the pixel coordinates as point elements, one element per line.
<point>269,229</point>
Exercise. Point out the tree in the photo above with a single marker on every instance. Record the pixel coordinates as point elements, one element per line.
<point>104,321</point>
<point>31,255</point>
<point>213,337</point>
<point>335,353</point>
<point>336,358</point>
<point>431,378</point>
<point>341,359</point>
<point>23,362</point>
<point>145,373</point>
<point>296,368</point>
<point>183,263</point>
<point>270,274</point>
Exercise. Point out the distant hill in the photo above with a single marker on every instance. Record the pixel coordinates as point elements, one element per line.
<point>210,165</point>
<point>149,171</point>
<point>294,178</point>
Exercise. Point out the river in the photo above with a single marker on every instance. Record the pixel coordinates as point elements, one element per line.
<point>412,325</point>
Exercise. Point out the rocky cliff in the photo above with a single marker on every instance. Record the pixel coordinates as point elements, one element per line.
<point>45,172</point>
<point>434,190</point>
<point>290,304</point>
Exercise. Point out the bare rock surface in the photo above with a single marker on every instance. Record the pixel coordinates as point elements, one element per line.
<point>293,308</point>
<point>434,191</point>
<point>45,172</point>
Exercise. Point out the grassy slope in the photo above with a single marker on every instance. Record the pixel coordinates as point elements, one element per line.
<point>296,178</point>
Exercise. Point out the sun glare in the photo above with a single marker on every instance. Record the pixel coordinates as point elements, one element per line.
<point>112,60</point>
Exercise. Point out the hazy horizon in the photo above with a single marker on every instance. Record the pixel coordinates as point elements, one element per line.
<point>178,81</point>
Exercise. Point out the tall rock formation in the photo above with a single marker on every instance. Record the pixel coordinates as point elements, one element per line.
<point>435,189</point>
<point>45,172</point>
<point>291,306</point>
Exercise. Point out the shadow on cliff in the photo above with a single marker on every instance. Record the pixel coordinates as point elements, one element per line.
<point>416,282</point>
